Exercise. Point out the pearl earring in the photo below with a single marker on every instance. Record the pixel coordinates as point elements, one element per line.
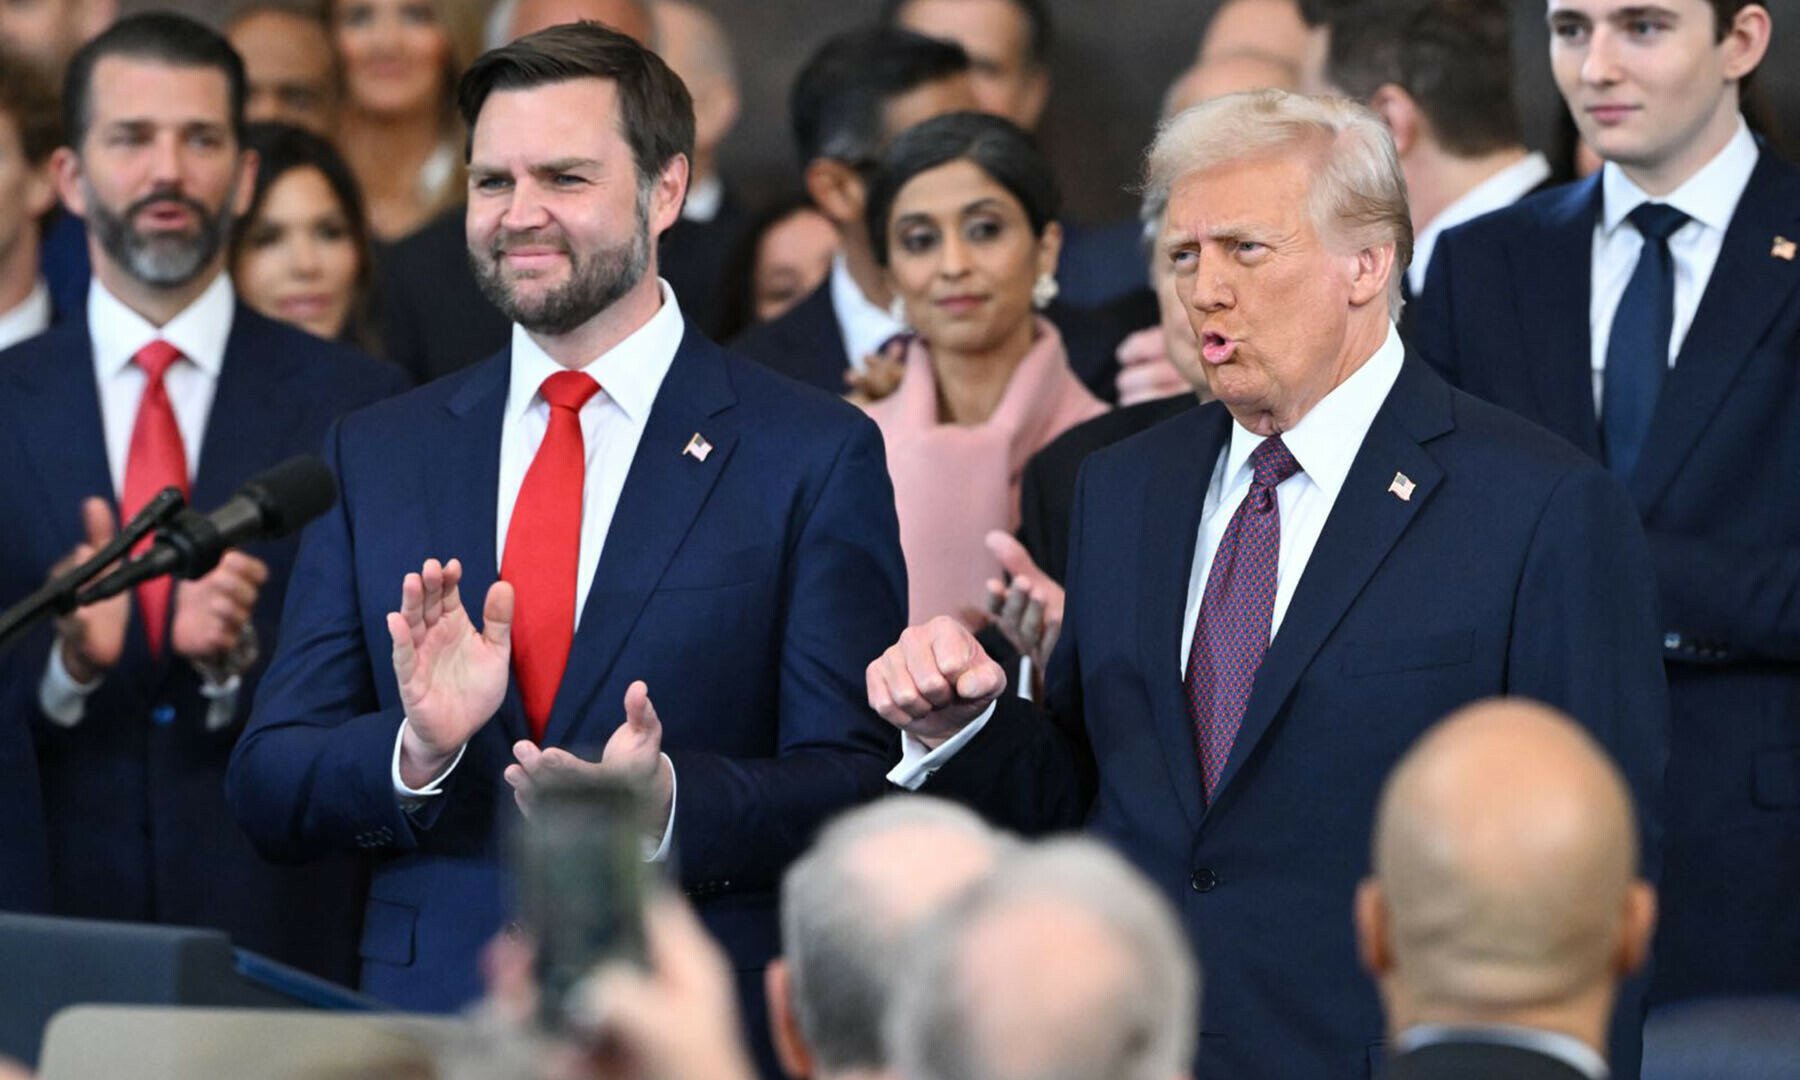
<point>1043,293</point>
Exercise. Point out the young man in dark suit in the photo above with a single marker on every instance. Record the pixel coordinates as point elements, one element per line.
<point>162,379</point>
<point>1503,908</point>
<point>1270,597</point>
<point>635,513</point>
<point>1650,316</point>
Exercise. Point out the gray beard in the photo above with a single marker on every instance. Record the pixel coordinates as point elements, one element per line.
<point>162,261</point>
<point>596,282</point>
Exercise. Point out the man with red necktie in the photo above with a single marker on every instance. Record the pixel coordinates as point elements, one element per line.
<point>134,703</point>
<point>1271,596</point>
<point>611,509</point>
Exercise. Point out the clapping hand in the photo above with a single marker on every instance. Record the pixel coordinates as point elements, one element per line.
<point>452,677</point>
<point>1028,608</point>
<point>92,637</point>
<point>633,753</point>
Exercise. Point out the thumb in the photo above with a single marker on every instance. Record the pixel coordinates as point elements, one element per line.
<point>982,682</point>
<point>97,521</point>
<point>1012,554</point>
<point>497,615</point>
<point>639,712</point>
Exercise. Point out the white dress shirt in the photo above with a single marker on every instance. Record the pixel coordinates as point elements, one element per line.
<point>865,326</point>
<point>1708,198</point>
<point>1552,1044</point>
<point>1497,192</point>
<point>117,333</point>
<point>29,318</point>
<point>612,424</point>
<point>1325,443</point>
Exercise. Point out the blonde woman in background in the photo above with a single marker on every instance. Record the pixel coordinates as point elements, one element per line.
<point>399,129</point>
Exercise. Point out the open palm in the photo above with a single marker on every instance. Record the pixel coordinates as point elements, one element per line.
<point>452,676</point>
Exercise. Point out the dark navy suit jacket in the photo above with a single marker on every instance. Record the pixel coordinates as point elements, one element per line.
<point>136,818</point>
<point>1718,489</point>
<point>1515,567</point>
<point>749,590</point>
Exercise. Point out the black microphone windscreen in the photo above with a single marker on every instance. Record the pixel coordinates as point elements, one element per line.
<point>292,493</point>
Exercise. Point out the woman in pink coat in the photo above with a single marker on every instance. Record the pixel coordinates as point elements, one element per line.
<point>963,216</point>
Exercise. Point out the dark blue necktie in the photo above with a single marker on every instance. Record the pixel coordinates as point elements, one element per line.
<point>1637,353</point>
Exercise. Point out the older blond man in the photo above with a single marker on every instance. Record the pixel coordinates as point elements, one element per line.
<point>1271,596</point>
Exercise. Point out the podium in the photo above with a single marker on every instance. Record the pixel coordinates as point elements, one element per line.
<point>47,964</point>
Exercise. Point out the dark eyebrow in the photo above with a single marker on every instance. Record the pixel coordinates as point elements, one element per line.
<point>563,165</point>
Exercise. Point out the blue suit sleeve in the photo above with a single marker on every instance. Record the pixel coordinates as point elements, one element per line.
<point>312,772</point>
<point>1741,603</point>
<point>742,820</point>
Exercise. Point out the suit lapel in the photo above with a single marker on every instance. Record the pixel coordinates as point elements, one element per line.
<point>1177,494</point>
<point>821,340</point>
<point>664,492</point>
<point>1554,269</point>
<point>1363,526</point>
<point>59,423</point>
<point>1748,289</point>
<point>252,419</point>
<point>461,476</point>
<point>58,418</point>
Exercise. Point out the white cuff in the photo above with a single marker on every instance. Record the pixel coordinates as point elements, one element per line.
<point>1025,679</point>
<point>221,699</point>
<point>660,853</point>
<point>61,698</point>
<point>918,762</point>
<point>436,786</point>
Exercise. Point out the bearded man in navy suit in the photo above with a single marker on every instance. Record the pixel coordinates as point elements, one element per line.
<point>634,513</point>
<point>1360,549</point>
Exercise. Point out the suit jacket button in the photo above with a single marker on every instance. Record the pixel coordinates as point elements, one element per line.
<point>163,715</point>
<point>1204,880</point>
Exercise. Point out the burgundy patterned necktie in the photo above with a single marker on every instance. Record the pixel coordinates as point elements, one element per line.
<point>1236,611</point>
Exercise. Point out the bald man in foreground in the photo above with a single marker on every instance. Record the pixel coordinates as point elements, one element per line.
<point>1505,905</point>
<point>847,906</point>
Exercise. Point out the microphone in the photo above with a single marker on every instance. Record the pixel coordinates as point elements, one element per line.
<point>270,505</point>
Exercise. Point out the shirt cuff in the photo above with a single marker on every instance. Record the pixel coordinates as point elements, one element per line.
<point>221,699</point>
<point>918,762</point>
<point>660,853</point>
<point>412,797</point>
<point>61,698</point>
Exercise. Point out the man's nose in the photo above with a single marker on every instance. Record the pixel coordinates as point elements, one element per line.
<point>1600,66</point>
<point>525,210</point>
<point>1210,290</point>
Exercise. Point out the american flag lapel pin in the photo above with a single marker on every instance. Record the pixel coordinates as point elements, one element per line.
<point>1402,487</point>
<point>1784,249</point>
<point>697,447</point>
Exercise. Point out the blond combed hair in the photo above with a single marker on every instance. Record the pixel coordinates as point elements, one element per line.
<point>1358,195</point>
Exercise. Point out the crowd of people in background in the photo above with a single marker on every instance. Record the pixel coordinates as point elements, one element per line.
<point>905,488</point>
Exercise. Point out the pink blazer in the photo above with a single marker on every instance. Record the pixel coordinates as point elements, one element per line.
<point>953,484</point>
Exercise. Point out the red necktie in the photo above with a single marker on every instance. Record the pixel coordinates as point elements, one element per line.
<point>543,549</point>
<point>1236,613</point>
<point>156,461</point>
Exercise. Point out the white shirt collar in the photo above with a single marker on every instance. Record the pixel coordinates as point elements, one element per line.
<point>29,318</point>
<point>630,373</point>
<point>1326,440</point>
<point>1710,196</point>
<point>704,198</point>
<point>1497,192</point>
<point>1565,1048</point>
<point>199,330</point>
<point>865,326</point>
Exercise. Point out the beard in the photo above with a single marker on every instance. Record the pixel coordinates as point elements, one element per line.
<point>597,279</point>
<point>161,259</point>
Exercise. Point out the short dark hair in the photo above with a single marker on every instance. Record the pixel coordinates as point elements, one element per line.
<point>1724,11</point>
<point>1036,12</point>
<point>655,110</point>
<point>282,149</point>
<point>837,101</point>
<point>998,147</point>
<point>27,96</point>
<point>159,36</point>
<point>1454,57</point>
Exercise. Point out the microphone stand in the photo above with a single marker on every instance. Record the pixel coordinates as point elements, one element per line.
<point>61,594</point>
